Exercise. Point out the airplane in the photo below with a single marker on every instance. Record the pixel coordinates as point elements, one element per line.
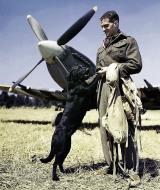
<point>60,58</point>
<point>150,96</point>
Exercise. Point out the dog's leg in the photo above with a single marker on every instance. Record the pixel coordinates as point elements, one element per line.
<point>65,153</point>
<point>54,171</point>
<point>61,168</point>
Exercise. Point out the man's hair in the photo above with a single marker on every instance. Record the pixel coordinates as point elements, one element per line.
<point>111,15</point>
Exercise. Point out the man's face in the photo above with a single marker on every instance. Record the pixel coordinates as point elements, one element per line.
<point>109,28</point>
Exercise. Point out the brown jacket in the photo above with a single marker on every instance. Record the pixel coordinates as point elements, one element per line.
<point>123,50</point>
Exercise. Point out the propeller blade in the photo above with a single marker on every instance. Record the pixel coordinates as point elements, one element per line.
<point>76,27</point>
<point>23,77</point>
<point>37,29</point>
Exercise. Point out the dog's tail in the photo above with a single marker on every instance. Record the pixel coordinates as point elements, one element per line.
<point>49,157</point>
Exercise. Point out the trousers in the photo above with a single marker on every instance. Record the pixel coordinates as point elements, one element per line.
<point>107,140</point>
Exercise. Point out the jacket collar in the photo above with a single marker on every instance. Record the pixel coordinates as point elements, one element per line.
<point>110,40</point>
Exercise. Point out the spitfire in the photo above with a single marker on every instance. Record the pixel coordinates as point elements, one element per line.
<point>60,59</point>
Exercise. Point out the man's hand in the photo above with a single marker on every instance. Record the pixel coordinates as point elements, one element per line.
<point>102,71</point>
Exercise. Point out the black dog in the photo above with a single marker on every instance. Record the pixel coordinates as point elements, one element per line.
<point>78,102</point>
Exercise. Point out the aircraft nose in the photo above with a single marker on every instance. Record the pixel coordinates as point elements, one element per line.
<point>49,49</point>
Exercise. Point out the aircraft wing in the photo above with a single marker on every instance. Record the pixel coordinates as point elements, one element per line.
<point>150,96</point>
<point>37,93</point>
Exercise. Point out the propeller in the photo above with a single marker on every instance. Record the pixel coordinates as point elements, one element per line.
<point>23,77</point>
<point>63,39</point>
<point>68,34</point>
<point>37,29</point>
<point>76,27</point>
<point>39,32</point>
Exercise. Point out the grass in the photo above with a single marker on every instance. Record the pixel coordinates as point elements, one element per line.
<point>23,144</point>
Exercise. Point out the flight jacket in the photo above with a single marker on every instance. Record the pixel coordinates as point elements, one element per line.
<point>122,49</point>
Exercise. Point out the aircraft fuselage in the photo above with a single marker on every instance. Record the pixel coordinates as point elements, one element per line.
<point>61,59</point>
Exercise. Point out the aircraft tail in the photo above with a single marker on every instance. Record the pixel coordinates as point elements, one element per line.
<point>149,85</point>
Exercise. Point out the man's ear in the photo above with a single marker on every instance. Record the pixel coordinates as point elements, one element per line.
<point>116,23</point>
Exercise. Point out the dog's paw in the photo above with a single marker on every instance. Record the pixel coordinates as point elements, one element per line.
<point>61,168</point>
<point>55,178</point>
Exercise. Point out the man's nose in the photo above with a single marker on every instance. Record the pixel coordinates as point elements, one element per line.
<point>104,29</point>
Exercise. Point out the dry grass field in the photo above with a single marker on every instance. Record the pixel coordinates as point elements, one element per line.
<point>25,136</point>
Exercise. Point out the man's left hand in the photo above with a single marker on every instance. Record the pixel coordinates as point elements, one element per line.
<point>102,71</point>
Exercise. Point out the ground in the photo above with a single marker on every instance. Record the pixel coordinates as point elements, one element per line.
<point>25,136</point>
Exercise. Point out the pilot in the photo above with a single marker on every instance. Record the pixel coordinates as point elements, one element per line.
<point>122,49</point>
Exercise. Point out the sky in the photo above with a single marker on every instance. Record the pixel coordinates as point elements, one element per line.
<point>18,44</point>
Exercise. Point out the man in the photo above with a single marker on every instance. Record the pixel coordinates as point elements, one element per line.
<point>121,49</point>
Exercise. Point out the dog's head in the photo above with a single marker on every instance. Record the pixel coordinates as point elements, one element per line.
<point>77,75</point>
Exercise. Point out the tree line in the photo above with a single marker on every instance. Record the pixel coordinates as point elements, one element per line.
<point>9,100</point>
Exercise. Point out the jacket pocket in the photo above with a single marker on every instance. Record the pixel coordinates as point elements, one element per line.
<point>120,44</point>
<point>118,52</point>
